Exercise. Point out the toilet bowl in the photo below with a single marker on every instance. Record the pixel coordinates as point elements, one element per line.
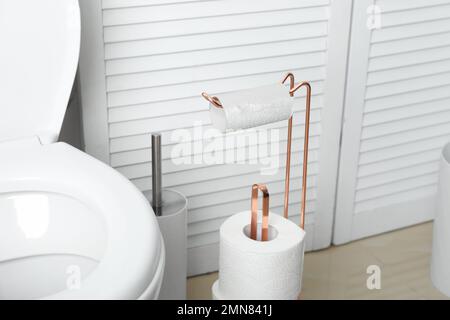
<point>71,227</point>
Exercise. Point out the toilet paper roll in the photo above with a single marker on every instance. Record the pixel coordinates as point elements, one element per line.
<point>263,270</point>
<point>252,108</point>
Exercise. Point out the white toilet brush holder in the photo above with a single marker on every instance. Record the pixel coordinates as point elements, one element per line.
<point>170,208</point>
<point>173,225</point>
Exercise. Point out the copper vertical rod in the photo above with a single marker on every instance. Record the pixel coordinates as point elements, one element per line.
<point>305,150</point>
<point>288,169</point>
<point>292,91</point>
<point>265,212</point>
<point>289,76</point>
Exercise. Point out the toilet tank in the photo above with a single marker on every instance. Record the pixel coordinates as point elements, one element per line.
<point>40,43</point>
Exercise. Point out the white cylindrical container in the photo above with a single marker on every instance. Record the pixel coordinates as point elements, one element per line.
<point>440,259</point>
<point>173,226</point>
<point>259,270</point>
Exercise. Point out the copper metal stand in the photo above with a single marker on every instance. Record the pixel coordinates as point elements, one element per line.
<point>265,212</point>
<point>293,88</point>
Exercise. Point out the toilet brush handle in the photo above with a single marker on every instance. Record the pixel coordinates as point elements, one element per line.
<point>156,174</point>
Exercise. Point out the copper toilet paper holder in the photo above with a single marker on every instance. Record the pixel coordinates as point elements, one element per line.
<point>215,101</point>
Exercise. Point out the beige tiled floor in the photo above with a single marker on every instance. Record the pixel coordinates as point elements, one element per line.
<point>340,272</point>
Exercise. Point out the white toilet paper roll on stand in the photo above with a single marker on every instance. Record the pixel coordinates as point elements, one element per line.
<point>260,270</point>
<point>252,107</point>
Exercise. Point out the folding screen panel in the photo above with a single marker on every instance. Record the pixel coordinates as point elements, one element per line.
<point>397,115</point>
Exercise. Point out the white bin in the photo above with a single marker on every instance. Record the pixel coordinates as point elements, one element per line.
<point>440,260</point>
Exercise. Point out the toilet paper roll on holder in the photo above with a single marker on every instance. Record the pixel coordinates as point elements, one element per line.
<point>215,101</point>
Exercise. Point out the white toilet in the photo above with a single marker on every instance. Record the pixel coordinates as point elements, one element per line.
<point>70,226</point>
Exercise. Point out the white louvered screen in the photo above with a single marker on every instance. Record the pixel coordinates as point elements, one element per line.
<point>160,55</point>
<point>397,117</point>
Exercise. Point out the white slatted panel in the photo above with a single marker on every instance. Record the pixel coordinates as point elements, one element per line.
<point>160,55</point>
<point>397,117</point>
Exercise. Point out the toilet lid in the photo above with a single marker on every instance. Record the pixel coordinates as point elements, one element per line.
<point>40,43</point>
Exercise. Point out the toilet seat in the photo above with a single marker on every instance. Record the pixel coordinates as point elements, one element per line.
<point>133,260</point>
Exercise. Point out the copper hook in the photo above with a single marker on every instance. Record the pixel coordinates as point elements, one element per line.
<point>265,212</point>
<point>290,76</point>
<point>213,100</point>
<point>292,91</point>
